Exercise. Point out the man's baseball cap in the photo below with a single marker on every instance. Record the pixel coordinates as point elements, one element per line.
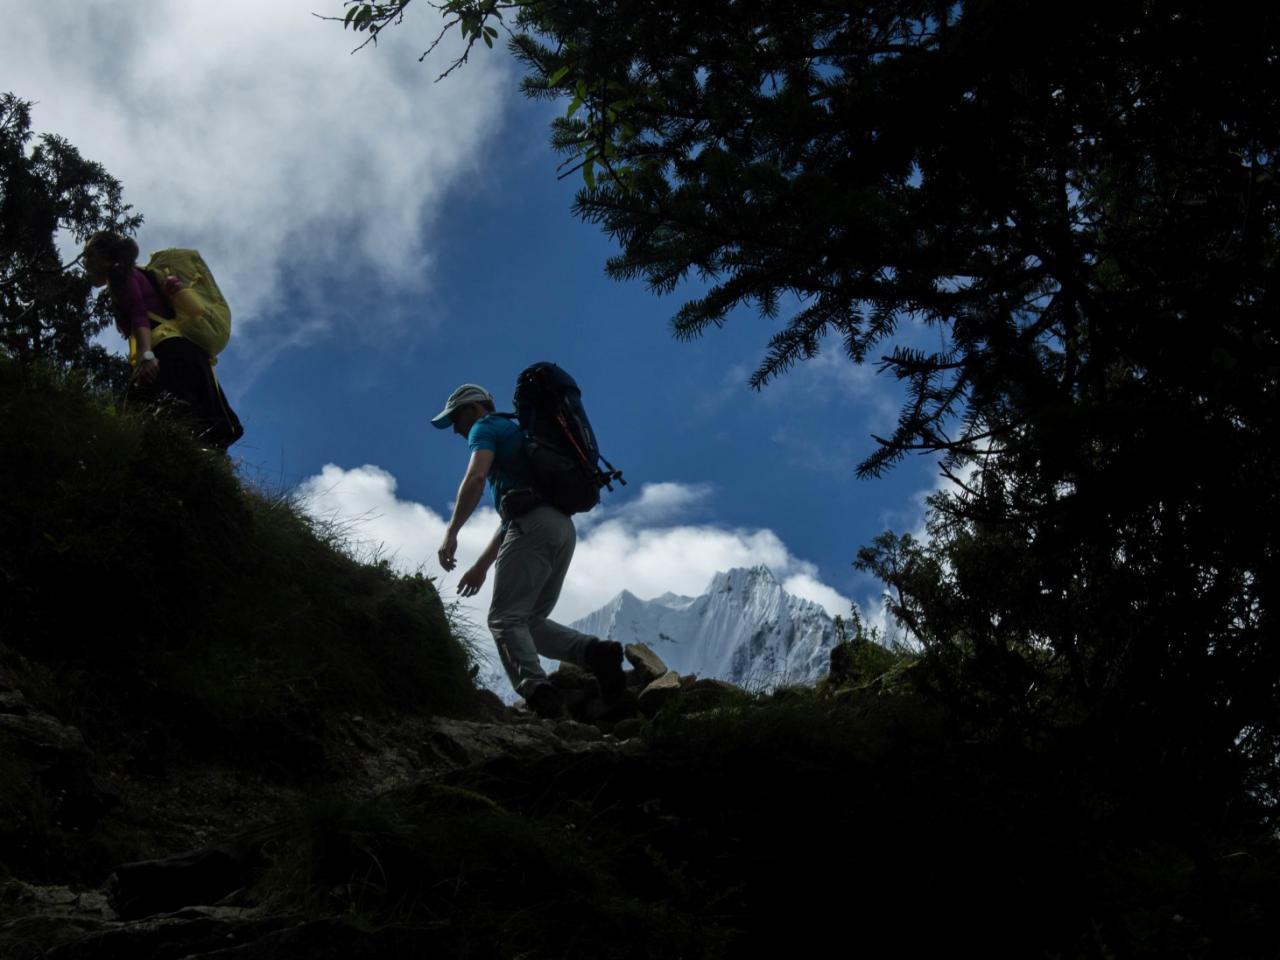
<point>467,393</point>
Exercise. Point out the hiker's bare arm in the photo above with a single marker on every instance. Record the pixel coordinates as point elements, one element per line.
<point>473,579</point>
<point>471,489</point>
<point>469,493</point>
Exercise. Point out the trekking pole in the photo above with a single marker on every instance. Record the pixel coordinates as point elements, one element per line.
<point>572,440</point>
<point>613,475</point>
<point>602,478</point>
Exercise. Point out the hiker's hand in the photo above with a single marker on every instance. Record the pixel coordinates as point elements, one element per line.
<point>472,581</point>
<point>447,551</point>
<point>148,370</point>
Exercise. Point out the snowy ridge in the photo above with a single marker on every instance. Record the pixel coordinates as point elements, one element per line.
<point>744,628</point>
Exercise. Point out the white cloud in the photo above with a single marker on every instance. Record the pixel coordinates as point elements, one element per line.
<point>363,506</point>
<point>618,555</point>
<point>807,586</point>
<point>249,131</point>
<point>830,379</point>
<point>833,376</point>
<point>657,503</point>
<point>626,549</point>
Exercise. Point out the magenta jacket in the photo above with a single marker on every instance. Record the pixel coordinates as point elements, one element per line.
<point>137,297</point>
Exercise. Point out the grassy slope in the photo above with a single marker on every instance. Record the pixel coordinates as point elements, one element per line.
<point>125,546</point>
<point>156,603</point>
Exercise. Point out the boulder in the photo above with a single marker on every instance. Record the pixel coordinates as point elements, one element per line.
<point>572,730</point>
<point>658,693</point>
<point>606,712</point>
<point>200,877</point>
<point>56,757</point>
<point>840,668</point>
<point>12,701</point>
<point>579,688</point>
<point>648,665</point>
<point>18,898</point>
<point>490,706</point>
<point>463,743</point>
<point>626,729</point>
<point>570,677</point>
<point>709,694</point>
<point>40,735</point>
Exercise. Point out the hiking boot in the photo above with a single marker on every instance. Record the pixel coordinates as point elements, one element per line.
<point>604,659</point>
<point>547,702</point>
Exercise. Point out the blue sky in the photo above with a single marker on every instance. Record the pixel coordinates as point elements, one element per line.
<point>382,238</point>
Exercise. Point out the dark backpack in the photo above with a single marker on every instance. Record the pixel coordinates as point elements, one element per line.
<point>560,446</point>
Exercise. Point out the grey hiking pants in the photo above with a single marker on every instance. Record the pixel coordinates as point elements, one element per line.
<point>532,563</point>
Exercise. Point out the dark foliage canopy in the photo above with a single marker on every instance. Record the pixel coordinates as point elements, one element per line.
<point>47,309</point>
<point>1080,206</point>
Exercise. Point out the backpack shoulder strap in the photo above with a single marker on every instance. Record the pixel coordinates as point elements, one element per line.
<point>152,276</point>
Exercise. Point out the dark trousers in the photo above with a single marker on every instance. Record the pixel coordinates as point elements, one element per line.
<point>186,381</point>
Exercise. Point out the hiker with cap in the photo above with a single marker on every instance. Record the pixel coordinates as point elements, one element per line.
<point>531,552</point>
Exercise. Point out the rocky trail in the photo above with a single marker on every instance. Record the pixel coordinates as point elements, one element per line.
<point>217,826</point>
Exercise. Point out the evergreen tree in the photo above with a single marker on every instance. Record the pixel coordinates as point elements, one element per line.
<point>48,312</point>
<point>1080,205</point>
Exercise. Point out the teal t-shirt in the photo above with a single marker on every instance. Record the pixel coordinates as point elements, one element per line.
<point>504,437</point>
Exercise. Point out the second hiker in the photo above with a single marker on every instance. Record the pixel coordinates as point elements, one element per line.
<point>530,553</point>
<point>176,322</point>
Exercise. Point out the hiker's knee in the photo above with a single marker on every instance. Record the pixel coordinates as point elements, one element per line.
<point>504,622</point>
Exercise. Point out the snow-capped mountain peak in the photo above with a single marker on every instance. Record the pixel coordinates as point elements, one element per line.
<point>744,628</point>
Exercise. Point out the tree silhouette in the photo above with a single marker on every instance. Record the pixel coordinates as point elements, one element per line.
<point>47,309</point>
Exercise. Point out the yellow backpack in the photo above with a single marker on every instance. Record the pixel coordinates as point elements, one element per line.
<point>201,312</point>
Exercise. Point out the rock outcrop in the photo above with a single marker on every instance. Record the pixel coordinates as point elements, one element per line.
<point>52,759</point>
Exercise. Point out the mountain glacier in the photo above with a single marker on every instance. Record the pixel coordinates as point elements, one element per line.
<point>744,628</point>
